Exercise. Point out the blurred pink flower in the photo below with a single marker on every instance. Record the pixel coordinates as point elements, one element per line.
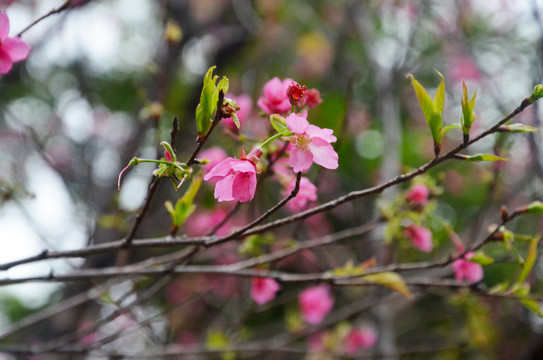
<point>12,49</point>
<point>359,339</point>
<point>275,99</point>
<point>312,98</point>
<point>306,193</point>
<point>90,338</point>
<point>214,155</point>
<point>311,144</point>
<point>465,269</point>
<point>420,237</point>
<point>263,289</point>
<point>418,194</point>
<point>463,68</point>
<point>245,104</point>
<point>201,223</point>
<point>295,93</point>
<point>236,178</point>
<point>315,303</point>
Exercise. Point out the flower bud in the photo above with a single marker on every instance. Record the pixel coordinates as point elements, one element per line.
<point>295,93</point>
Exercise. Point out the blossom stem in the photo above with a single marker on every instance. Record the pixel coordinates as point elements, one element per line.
<point>278,135</point>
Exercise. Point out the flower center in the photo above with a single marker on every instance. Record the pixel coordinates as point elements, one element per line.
<point>303,141</point>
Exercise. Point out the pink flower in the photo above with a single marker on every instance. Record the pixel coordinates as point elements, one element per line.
<point>359,339</point>
<point>245,105</point>
<point>463,68</point>
<point>418,194</point>
<point>201,223</point>
<point>236,178</point>
<point>311,144</point>
<point>263,289</point>
<point>465,269</point>
<point>214,155</point>
<point>315,304</point>
<point>11,49</point>
<point>312,98</point>
<point>306,193</point>
<point>275,99</point>
<point>420,237</point>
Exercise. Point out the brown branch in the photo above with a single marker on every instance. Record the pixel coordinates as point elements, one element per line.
<point>60,9</point>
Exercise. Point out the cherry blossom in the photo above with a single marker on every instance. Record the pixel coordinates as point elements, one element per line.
<point>275,99</point>
<point>263,289</point>
<point>306,193</point>
<point>420,237</point>
<point>315,303</point>
<point>235,178</point>
<point>310,144</point>
<point>214,156</point>
<point>465,269</point>
<point>312,98</point>
<point>359,339</point>
<point>12,49</point>
<point>418,194</point>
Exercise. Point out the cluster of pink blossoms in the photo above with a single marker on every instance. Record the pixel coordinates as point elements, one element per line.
<point>235,179</point>
<point>12,49</point>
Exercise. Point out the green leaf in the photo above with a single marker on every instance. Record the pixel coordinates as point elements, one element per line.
<point>530,260</point>
<point>480,258</point>
<point>236,120</point>
<point>439,97</point>
<point>424,98</point>
<point>535,207</point>
<point>208,100</point>
<point>468,116</point>
<point>518,128</point>
<point>482,157</point>
<point>450,127</point>
<point>184,207</point>
<point>278,123</point>
<point>508,238</point>
<point>533,306</point>
<point>391,280</point>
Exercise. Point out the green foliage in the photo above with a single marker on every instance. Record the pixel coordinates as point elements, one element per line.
<point>391,280</point>
<point>278,123</point>
<point>481,157</point>
<point>432,109</point>
<point>208,100</point>
<point>468,116</point>
<point>184,206</point>
<point>518,128</point>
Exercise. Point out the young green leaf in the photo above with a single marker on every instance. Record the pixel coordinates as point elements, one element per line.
<point>517,128</point>
<point>535,207</point>
<point>208,100</point>
<point>278,123</point>
<point>480,258</point>
<point>468,116</point>
<point>184,207</point>
<point>530,260</point>
<point>439,97</point>
<point>391,280</point>
<point>480,157</point>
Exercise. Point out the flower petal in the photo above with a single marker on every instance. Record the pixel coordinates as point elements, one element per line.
<point>326,134</point>
<point>244,186</point>
<point>323,153</point>
<point>4,25</point>
<point>300,160</point>
<point>297,124</point>
<point>220,170</point>
<point>16,48</point>
<point>223,189</point>
<point>5,62</point>
<point>243,166</point>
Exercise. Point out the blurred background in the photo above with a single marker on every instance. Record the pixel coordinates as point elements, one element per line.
<point>105,78</point>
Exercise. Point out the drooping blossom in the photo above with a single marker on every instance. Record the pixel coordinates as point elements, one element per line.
<point>214,155</point>
<point>275,98</point>
<point>315,303</point>
<point>312,98</point>
<point>465,269</point>
<point>245,105</point>
<point>418,194</point>
<point>263,290</point>
<point>420,237</point>
<point>357,339</point>
<point>310,144</point>
<point>295,93</point>
<point>235,178</point>
<point>12,49</point>
<point>306,193</point>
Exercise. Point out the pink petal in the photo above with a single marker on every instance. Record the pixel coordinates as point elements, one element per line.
<point>4,25</point>
<point>273,88</point>
<point>5,62</point>
<point>297,124</point>
<point>323,153</point>
<point>220,170</point>
<point>16,48</point>
<point>263,104</point>
<point>243,166</point>
<point>326,134</point>
<point>244,186</point>
<point>223,189</point>
<point>300,160</point>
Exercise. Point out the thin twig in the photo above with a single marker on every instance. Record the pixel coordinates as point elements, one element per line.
<point>60,9</point>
